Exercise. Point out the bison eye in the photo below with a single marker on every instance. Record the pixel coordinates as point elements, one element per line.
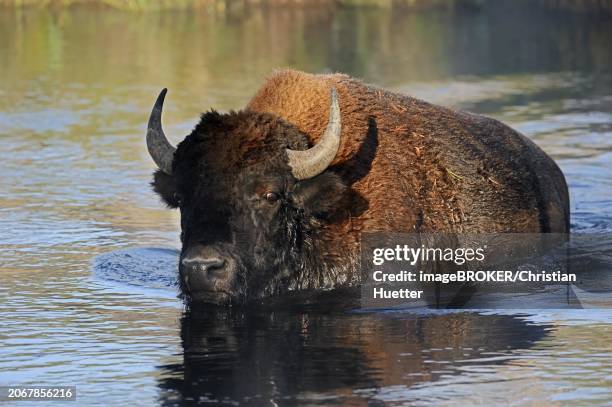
<point>271,197</point>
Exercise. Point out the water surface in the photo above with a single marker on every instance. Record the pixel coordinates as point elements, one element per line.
<point>76,89</point>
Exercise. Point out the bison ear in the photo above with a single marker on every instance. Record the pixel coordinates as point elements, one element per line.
<point>165,187</point>
<point>319,195</point>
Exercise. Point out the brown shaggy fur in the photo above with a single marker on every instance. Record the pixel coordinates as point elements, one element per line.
<point>422,167</point>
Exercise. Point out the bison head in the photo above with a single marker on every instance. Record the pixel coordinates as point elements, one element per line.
<point>253,199</point>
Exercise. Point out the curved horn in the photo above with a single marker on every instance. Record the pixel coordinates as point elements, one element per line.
<point>160,149</point>
<point>310,163</point>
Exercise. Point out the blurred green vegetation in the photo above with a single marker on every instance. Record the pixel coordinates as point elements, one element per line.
<point>146,5</point>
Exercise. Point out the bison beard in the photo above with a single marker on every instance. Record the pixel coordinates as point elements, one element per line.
<point>275,197</point>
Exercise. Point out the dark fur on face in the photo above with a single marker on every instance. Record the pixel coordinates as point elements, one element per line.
<point>235,191</point>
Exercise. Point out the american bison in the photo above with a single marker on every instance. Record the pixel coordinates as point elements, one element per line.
<point>274,197</point>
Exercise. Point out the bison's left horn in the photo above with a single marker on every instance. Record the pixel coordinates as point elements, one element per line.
<point>162,152</point>
<point>310,163</point>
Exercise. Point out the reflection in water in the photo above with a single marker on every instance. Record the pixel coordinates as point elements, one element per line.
<point>76,90</point>
<point>284,356</point>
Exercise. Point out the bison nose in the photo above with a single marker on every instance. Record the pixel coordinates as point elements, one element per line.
<point>213,265</point>
<point>206,274</point>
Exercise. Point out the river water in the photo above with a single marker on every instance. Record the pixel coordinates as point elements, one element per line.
<point>76,88</point>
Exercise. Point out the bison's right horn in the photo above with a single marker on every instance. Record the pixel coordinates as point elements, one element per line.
<point>310,163</point>
<point>160,149</point>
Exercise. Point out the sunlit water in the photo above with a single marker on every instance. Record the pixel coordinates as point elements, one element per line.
<point>75,91</point>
